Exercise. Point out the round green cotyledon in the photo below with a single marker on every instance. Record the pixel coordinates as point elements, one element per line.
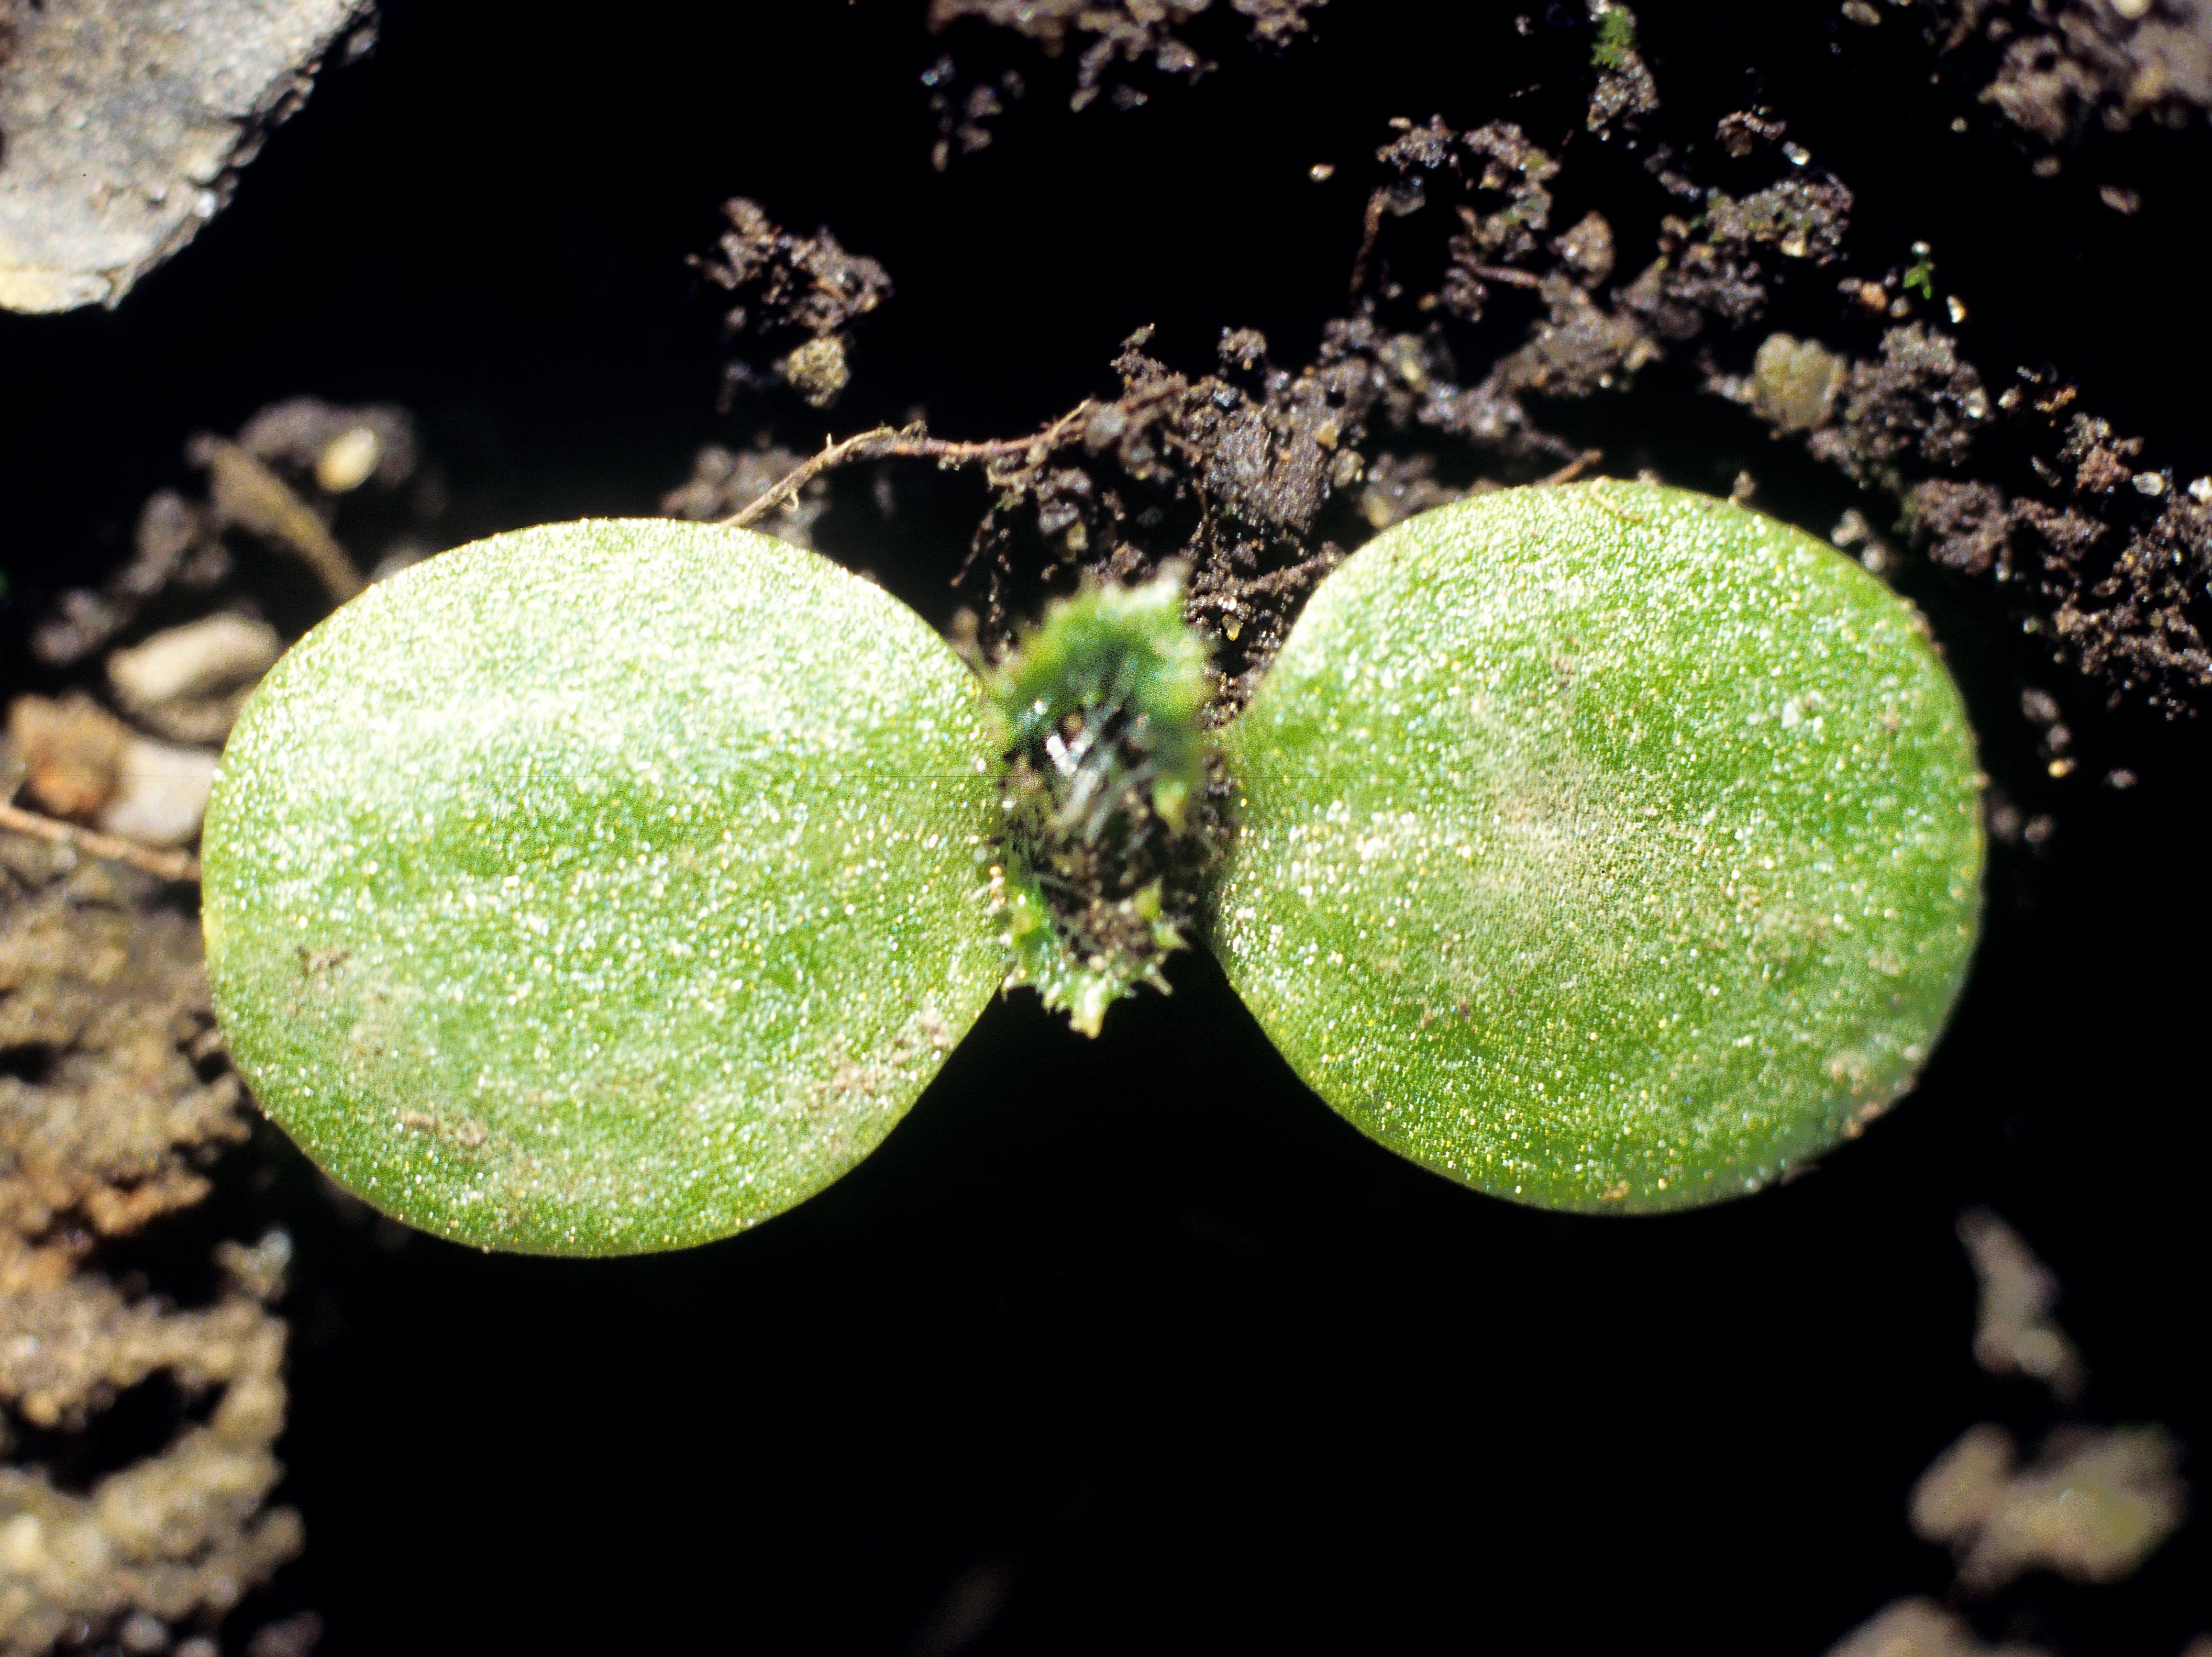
<point>603,887</point>
<point>1605,847</point>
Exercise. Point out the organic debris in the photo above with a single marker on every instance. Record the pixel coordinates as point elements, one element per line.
<point>2026,489</point>
<point>795,298</point>
<point>1228,474</point>
<point>1260,476</point>
<point>125,128</point>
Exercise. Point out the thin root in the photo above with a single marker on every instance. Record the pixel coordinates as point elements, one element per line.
<point>907,443</point>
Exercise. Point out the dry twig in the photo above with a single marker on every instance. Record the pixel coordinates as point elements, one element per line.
<point>255,498</point>
<point>165,866</point>
<point>1575,468</point>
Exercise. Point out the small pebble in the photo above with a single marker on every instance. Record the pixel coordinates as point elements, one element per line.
<point>349,460</point>
<point>199,659</point>
<point>161,793</point>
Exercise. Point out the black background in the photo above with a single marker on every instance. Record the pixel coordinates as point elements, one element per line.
<point>1132,1345</point>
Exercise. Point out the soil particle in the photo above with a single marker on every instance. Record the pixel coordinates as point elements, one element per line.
<point>112,1104</point>
<point>1744,131</point>
<point>2093,1505</point>
<point>1921,1628</point>
<point>1625,88</point>
<point>2056,69</point>
<point>1800,218</point>
<point>1398,486</point>
<point>79,763</point>
<point>794,299</point>
<point>106,1120</point>
<point>1110,37</point>
<point>1795,383</point>
<point>189,683</point>
<point>68,753</point>
<point>1507,175</point>
<point>1965,526</point>
<point>1918,400</point>
<point>2016,1333</point>
<point>181,1534</point>
<point>2113,558</point>
<point>1586,251</point>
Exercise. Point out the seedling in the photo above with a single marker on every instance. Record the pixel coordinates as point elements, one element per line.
<point>613,886</point>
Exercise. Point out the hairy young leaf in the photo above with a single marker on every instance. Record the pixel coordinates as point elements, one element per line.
<point>603,887</point>
<point>1603,846</point>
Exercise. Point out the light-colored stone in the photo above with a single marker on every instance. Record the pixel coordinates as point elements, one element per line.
<point>188,682</point>
<point>162,794</point>
<point>123,123</point>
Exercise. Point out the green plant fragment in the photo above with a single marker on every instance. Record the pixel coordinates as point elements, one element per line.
<point>603,887</point>
<point>1605,847</point>
<point>1107,831</point>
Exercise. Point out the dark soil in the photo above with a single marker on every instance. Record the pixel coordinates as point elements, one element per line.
<point>1132,1345</point>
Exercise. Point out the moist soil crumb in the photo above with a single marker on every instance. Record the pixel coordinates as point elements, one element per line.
<point>114,1103</point>
<point>1110,39</point>
<point>794,299</point>
<point>2056,69</point>
<point>1260,475</point>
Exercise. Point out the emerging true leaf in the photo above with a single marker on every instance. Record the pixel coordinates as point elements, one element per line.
<point>1107,833</point>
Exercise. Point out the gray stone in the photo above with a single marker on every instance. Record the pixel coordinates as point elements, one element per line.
<point>124,123</point>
